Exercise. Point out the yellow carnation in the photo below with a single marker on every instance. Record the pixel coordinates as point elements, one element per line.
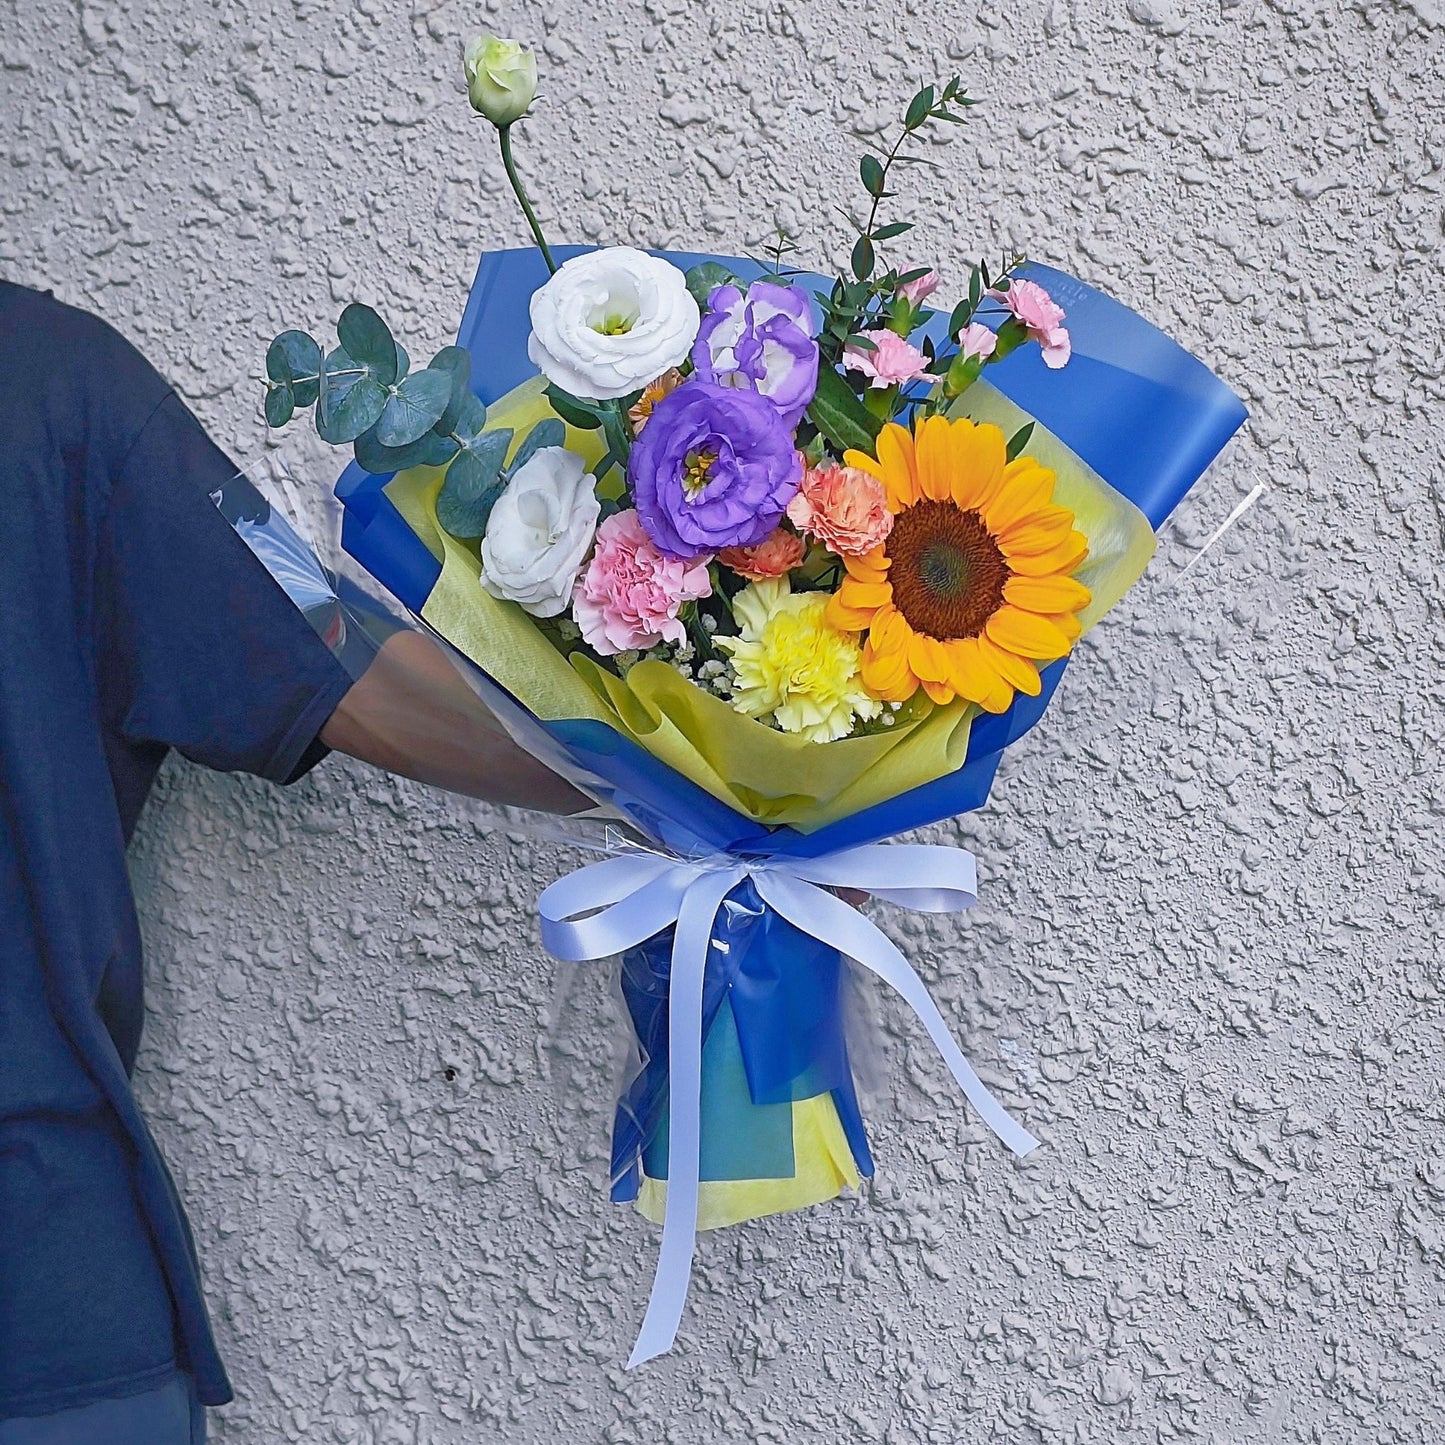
<point>791,665</point>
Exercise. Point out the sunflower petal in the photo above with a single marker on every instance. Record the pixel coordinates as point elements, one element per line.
<point>939,447</point>
<point>1021,494</point>
<point>871,568</point>
<point>853,593</point>
<point>1068,624</point>
<point>864,463</point>
<point>884,678</point>
<point>890,676</point>
<point>1046,594</point>
<point>1063,558</point>
<point>889,632</point>
<point>847,619</point>
<point>1045,528</point>
<point>927,658</point>
<point>978,466</point>
<point>1027,634</point>
<point>940,692</point>
<point>897,467</point>
<point>967,671</point>
<point>998,698</point>
<point>1017,671</point>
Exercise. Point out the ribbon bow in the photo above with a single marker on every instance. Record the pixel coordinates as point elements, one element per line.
<point>607,907</point>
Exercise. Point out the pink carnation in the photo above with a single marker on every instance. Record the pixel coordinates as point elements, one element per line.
<point>977,340</point>
<point>777,554</point>
<point>845,508</point>
<point>917,291</point>
<point>628,598</point>
<point>1041,315</point>
<point>892,362</point>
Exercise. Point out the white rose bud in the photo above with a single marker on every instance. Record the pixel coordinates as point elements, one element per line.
<point>501,78</point>
<point>610,321</point>
<point>540,532</point>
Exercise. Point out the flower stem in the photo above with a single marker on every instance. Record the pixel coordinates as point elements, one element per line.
<point>504,137</point>
<point>617,434</point>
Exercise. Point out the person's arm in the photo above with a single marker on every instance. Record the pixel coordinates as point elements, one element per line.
<point>412,713</point>
<point>200,649</point>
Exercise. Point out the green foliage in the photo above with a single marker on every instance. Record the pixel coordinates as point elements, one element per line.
<point>919,109</point>
<point>869,299</point>
<point>548,433</point>
<point>366,393</point>
<point>705,277</point>
<point>294,359</point>
<point>414,407</point>
<point>457,364</point>
<point>473,483</point>
<point>1011,335</point>
<point>783,245</point>
<point>430,450</point>
<point>352,395</point>
<point>840,416</point>
<point>280,404</point>
<point>1018,441</point>
<point>471,423</point>
<point>365,337</point>
<point>584,415</point>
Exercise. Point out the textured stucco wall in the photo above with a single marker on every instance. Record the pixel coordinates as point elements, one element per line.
<point>1206,963</point>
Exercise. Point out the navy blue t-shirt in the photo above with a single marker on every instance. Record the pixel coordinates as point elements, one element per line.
<point>133,620</point>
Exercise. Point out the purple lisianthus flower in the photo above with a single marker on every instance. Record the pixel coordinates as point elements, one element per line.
<point>714,467</point>
<point>763,342</point>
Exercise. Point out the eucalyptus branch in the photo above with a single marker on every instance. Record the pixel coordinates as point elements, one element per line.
<point>928,105</point>
<point>853,304</point>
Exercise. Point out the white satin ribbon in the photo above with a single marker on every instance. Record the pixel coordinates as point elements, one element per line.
<point>607,907</point>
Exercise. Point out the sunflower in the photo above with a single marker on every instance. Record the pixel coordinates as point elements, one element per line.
<point>971,591</point>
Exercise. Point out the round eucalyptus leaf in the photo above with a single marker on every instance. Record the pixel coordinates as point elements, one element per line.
<point>352,398</point>
<point>414,407</point>
<point>471,419</point>
<point>548,433</point>
<point>364,335</point>
<point>456,362</point>
<point>473,484</point>
<point>280,404</point>
<point>295,357</point>
<point>403,361</point>
<point>430,450</point>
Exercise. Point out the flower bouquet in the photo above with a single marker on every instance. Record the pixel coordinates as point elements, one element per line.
<point>765,563</point>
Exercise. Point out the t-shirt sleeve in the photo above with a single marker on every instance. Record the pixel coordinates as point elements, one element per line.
<point>200,648</point>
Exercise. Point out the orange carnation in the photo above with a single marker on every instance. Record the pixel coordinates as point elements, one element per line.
<point>775,556</point>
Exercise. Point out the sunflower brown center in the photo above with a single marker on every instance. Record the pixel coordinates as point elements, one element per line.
<point>946,569</point>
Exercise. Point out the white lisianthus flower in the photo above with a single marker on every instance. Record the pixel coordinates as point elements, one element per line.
<point>501,78</point>
<point>610,321</point>
<point>540,532</point>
